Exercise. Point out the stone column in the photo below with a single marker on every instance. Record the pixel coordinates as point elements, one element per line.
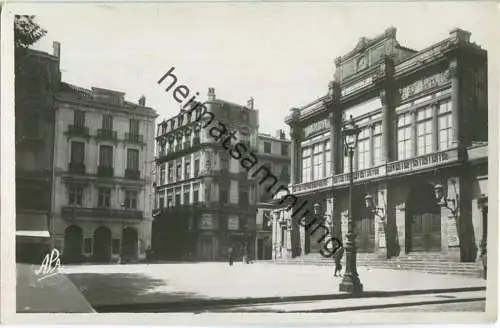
<point>455,101</point>
<point>435,128</point>
<point>295,135</point>
<point>387,128</point>
<point>414,133</point>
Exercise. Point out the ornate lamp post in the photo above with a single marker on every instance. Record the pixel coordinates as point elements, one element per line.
<point>350,282</point>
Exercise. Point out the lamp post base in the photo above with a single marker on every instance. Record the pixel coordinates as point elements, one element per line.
<point>351,285</point>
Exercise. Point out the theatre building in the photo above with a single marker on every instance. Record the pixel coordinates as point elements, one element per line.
<point>423,119</point>
<point>205,200</point>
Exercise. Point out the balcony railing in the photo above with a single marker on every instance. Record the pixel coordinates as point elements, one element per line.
<point>106,134</point>
<point>132,174</point>
<point>75,130</point>
<point>68,212</point>
<point>134,138</point>
<point>196,141</point>
<point>78,168</point>
<point>389,169</point>
<point>105,171</point>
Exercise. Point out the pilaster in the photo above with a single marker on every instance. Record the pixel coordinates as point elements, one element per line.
<point>455,101</point>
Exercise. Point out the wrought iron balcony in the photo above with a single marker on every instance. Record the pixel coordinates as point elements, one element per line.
<point>106,134</point>
<point>78,168</point>
<point>80,131</point>
<point>105,171</point>
<point>390,169</point>
<point>134,138</point>
<point>132,174</point>
<point>196,141</point>
<point>69,212</point>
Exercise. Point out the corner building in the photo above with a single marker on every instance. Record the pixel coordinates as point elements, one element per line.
<point>103,166</point>
<point>205,200</point>
<point>424,122</point>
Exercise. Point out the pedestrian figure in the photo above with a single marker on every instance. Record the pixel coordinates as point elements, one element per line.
<point>339,253</point>
<point>230,255</point>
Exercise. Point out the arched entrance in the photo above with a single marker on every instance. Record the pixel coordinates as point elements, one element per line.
<point>423,220</point>
<point>102,244</point>
<point>129,243</point>
<point>73,238</point>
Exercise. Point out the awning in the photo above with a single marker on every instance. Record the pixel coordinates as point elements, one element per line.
<point>33,233</point>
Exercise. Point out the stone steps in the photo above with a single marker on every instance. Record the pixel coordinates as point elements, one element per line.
<point>436,263</point>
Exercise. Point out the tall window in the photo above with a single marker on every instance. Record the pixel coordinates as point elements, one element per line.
<point>170,173</point>
<point>404,136</point>
<point>75,196</point>
<point>77,152</point>
<point>328,156</point>
<point>424,131</point>
<point>107,122</point>
<point>178,171</point>
<point>187,169</point>
<point>267,147</point>
<point>284,149</point>
<point>445,126</point>
<point>243,198</point>
<point>79,118</point>
<point>177,196</point>
<point>196,192</point>
<point>187,191</point>
<point>196,167</point>
<point>223,195</point>
<point>133,159</point>
<point>106,156</point>
<point>104,197</point>
<point>134,126</point>
<point>162,174</point>
<point>318,161</point>
<point>130,199</point>
<point>224,161</point>
<point>285,174</point>
<point>377,144</point>
<point>170,199</point>
<point>364,149</point>
<point>306,164</point>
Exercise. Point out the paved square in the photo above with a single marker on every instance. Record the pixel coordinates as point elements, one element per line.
<point>149,283</point>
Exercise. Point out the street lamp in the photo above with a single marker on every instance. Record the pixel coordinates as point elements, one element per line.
<point>350,282</point>
<point>449,203</point>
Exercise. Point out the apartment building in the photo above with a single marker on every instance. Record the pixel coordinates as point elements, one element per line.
<point>205,201</point>
<point>274,154</point>
<point>37,81</point>
<point>104,153</point>
<point>421,156</point>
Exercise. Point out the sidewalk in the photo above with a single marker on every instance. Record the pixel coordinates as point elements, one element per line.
<point>50,295</point>
<point>185,286</point>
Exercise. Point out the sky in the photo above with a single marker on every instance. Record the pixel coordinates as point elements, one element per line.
<point>281,54</point>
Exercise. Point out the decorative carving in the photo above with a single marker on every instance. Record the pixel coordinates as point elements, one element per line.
<point>452,72</point>
<point>424,84</point>
<point>383,97</point>
<point>338,61</point>
<point>390,32</point>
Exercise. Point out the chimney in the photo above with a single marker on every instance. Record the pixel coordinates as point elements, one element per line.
<point>142,101</point>
<point>280,134</point>
<point>56,46</point>
<point>211,94</point>
<point>250,103</point>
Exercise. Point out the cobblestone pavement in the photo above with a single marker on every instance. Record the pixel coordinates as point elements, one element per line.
<point>192,282</point>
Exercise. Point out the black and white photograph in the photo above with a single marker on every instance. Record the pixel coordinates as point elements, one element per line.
<point>287,162</point>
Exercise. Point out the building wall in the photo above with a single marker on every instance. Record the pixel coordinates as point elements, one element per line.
<point>118,184</point>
